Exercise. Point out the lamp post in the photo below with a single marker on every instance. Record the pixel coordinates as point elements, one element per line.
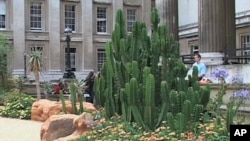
<point>68,73</point>
<point>25,68</point>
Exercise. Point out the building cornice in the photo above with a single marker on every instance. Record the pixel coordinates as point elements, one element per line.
<point>108,2</point>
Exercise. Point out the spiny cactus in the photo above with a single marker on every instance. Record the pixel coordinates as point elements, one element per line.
<point>170,119</point>
<point>180,123</point>
<point>124,103</point>
<point>187,111</point>
<point>64,109</point>
<point>143,73</point>
<point>198,110</point>
<point>149,101</point>
<point>73,95</point>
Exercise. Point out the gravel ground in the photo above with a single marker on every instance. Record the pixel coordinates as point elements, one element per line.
<point>19,130</point>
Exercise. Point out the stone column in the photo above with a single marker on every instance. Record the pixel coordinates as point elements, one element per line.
<point>116,4</point>
<point>146,11</point>
<point>216,25</point>
<point>87,35</point>
<point>18,36</point>
<point>54,48</point>
<point>230,27</point>
<point>168,11</point>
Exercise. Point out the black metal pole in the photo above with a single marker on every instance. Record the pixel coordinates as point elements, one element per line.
<point>68,73</point>
<point>25,69</point>
<point>68,53</point>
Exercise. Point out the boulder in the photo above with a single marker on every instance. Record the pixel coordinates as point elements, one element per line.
<point>41,110</point>
<point>81,124</point>
<point>57,126</point>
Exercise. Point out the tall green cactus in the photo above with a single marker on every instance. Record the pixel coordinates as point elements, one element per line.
<point>64,109</point>
<point>180,123</point>
<point>149,101</point>
<point>124,103</point>
<point>198,109</point>
<point>170,118</point>
<point>143,74</point>
<point>73,95</point>
<point>165,104</point>
<point>187,111</point>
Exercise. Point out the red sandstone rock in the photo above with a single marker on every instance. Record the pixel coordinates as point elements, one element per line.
<point>57,126</point>
<point>81,124</point>
<point>43,109</point>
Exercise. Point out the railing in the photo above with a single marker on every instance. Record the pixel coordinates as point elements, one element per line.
<point>187,58</point>
<point>240,56</point>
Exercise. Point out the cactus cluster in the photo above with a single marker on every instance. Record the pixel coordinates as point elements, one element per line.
<point>143,79</point>
<point>74,99</point>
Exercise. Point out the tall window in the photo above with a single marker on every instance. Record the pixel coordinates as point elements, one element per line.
<point>2,14</point>
<point>70,16</point>
<point>101,20</point>
<point>245,43</point>
<point>36,16</point>
<point>131,17</point>
<point>101,58</point>
<point>72,58</point>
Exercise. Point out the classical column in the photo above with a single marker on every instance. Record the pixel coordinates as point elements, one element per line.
<point>146,11</point>
<point>87,35</point>
<point>230,27</point>
<point>116,4</point>
<point>18,36</point>
<point>54,36</point>
<point>168,11</point>
<point>216,25</point>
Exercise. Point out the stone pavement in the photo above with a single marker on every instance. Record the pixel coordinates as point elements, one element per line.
<point>19,130</point>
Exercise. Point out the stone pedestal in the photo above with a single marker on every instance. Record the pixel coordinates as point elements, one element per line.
<point>212,58</point>
<point>216,25</point>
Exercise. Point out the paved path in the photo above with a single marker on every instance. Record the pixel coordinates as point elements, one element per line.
<point>19,130</point>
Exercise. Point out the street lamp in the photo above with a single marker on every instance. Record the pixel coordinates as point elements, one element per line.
<point>25,68</point>
<point>68,73</point>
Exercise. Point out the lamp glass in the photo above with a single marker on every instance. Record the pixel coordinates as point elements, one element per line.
<point>68,31</point>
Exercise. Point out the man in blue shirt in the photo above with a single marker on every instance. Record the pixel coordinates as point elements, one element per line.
<point>201,67</point>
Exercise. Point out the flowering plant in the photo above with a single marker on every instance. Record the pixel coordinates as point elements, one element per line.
<point>241,94</point>
<point>219,73</point>
<point>237,79</point>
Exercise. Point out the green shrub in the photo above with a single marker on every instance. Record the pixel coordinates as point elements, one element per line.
<point>7,97</point>
<point>16,108</point>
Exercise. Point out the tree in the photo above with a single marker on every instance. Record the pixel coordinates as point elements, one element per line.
<point>35,63</point>
<point>5,49</point>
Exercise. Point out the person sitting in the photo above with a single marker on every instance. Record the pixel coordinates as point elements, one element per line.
<point>201,67</point>
<point>58,88</point>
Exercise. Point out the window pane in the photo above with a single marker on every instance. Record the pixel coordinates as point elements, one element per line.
<point>101,26</point>
<point>2,7</point>
<point>130,19</point>
<point>101,58</point>
<point>70,16</point>
<point>101,12</point>
<point>2,21</point>
<point>101,19</point>
<point>36,15</point>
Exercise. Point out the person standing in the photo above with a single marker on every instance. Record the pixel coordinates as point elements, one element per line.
<point>89,83</point>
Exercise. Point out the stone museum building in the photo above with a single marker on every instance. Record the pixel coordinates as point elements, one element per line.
<point>198,25</point>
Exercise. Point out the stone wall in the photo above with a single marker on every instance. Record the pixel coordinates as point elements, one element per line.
<point>234,69</point>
